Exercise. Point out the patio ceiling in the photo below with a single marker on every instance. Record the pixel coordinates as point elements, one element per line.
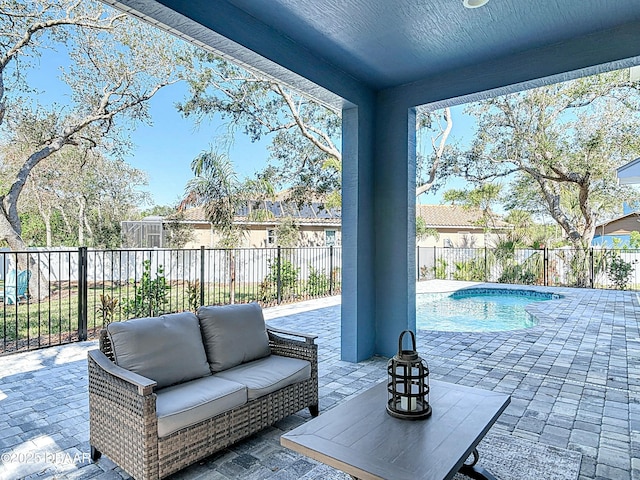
<point>389,44</point>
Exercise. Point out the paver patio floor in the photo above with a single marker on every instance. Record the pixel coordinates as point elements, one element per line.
<point>574,381</point>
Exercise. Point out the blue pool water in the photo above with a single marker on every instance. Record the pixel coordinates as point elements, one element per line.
<point>480,310</point>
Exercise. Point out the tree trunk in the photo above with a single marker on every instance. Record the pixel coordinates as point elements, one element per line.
<point>46,217</point>
<point>38,284</point>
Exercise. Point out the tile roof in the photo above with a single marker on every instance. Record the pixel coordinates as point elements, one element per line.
<point>308,213</point>
<point>433,215</point>
<point>451,216</point>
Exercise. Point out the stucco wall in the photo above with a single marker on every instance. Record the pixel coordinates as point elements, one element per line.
<point>458,238</point>
<point>256,236</point>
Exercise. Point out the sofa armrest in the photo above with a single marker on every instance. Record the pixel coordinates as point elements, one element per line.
<point>122,416</point>
<point>144,385</point>
<point>303,348</point>
<point>308,338</point>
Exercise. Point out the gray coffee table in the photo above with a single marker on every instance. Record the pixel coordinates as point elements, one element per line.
<point>360,438</point>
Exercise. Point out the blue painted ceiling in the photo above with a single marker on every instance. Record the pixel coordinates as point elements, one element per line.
<point>354,48</point>
<point>386,43</point>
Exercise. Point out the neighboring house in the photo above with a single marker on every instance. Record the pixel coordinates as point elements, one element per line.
<point>317,226</point>
<point>629,174</point>
<point>617,230</point>
<point>457,227</point>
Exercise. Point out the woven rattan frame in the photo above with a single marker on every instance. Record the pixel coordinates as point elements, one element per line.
<point>123,423</point>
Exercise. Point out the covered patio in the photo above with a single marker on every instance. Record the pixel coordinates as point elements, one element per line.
<point>375,61</point>
<point>574,380</point>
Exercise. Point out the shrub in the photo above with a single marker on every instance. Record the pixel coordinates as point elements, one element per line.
<point>150,295</point>
<point>619,271</point>
<point>107,308</point>
<point>440,269</point>
<point>193,292</point>
<point>318,283</point>
<point>517,274</point>
<point>288,280</point>
<point>471,270</point>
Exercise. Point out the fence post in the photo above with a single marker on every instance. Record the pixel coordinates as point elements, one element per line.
<point>279,277</point>
<point>201,274</point>
<point>591,267</point>
<point>545,265</point>
<point>82,294</point>
<point>331,270</point>
<point>486,274</point>
<point>434,262</point>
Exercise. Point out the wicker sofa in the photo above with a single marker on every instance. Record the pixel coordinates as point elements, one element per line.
<point>168,391</point>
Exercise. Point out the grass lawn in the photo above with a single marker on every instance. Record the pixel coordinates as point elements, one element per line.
<point>54,320</point>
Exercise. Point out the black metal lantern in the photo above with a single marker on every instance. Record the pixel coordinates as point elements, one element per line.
<point>408,384</point>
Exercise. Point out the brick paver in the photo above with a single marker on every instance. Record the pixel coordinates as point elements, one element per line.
<point>574,381</point>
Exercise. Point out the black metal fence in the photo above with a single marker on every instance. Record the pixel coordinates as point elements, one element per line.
<point>594,268</point>
<point>72,294</point>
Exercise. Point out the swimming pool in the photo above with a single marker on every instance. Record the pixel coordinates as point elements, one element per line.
<point>477,310</point>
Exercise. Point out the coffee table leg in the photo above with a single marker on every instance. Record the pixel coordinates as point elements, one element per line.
<point>474,471</point>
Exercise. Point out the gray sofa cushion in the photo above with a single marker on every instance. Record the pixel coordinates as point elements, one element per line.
<point>167,349</point>
<point>233,334</point>
<point>268,374</point>
<point>189,403</point>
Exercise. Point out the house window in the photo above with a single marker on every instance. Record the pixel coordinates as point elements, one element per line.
<point>329,238</point>
<point>271,236</point>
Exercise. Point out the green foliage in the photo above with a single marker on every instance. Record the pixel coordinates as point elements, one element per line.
<point>480,198</point>
<point>579,268</point>
<point>619,271</point>
<point>318,282</point>
<point>268,290</point>
<point>216,187</point>
<point>287,233</point>
<point>559,146</point>
<point>470,270</point>
<point>107,309</point>
<point>634,240</point>
<point>440,269</point>
<point>518,275</point>
<point>259,108</point>
<point>218,190</point>
<point>422,231</point>
<point>177,233</point>
<point>151,295</point>
<point>193,294</point>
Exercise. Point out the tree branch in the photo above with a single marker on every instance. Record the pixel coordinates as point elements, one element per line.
<point>328,148</point>
<point>438,151</point>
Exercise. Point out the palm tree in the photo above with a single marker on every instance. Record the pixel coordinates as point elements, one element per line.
<point>217,189</point>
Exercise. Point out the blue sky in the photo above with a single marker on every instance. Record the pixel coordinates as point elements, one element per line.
<point>165,148</point>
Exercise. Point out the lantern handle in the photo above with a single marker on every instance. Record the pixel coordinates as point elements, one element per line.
<point>413,341</point>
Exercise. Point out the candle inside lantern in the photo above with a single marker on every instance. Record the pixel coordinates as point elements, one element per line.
<point>408,404</point>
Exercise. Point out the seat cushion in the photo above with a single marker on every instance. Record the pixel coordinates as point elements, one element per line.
<point>189,403</point>
<point>167,349</point>
<point>233,334</point>
<point>268,374</point>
